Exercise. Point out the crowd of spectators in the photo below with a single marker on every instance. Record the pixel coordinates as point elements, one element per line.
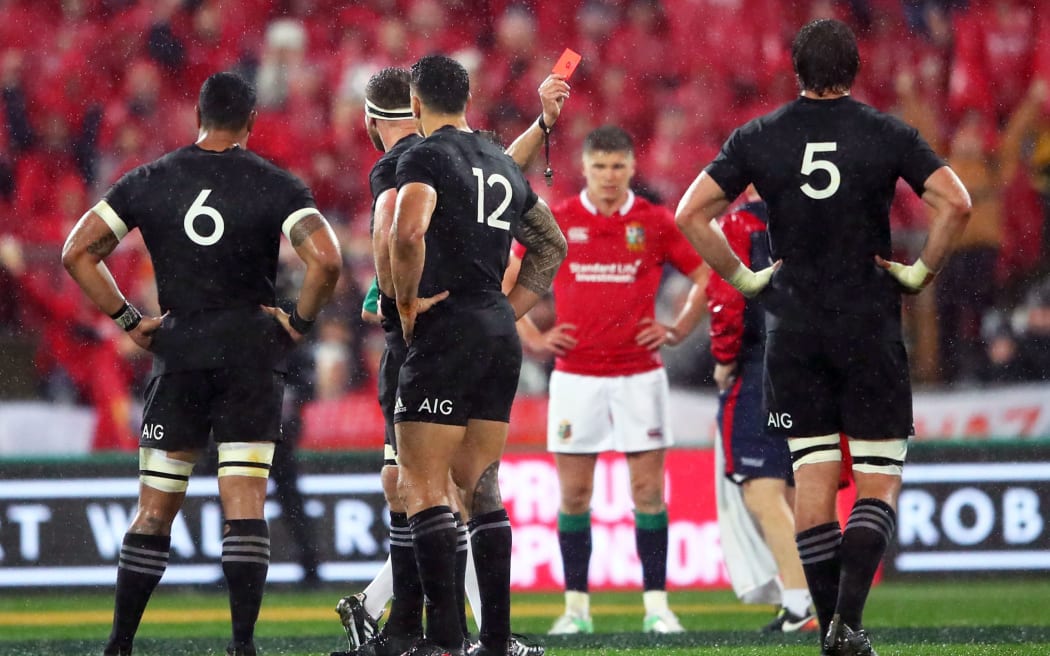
<point>92,88</point>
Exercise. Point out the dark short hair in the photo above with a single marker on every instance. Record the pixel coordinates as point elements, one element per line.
<point>825,56</point>
<point>226,101</point>
<point>441,83</point>
<point>388,88</point>
<point>608,139</point>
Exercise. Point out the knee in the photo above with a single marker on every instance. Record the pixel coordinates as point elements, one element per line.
<point>648,495</point>
<point>388,477</point>
<point>576,497</point>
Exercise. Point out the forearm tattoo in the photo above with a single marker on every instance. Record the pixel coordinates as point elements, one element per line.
<point>486,497</point>
<point>304,228</point>
<point>545,248</point>
<point>104,245</point>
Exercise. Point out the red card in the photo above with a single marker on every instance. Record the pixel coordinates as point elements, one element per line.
<point>567,63</point>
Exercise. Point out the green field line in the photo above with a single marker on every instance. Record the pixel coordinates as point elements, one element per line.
<point>279,614</point>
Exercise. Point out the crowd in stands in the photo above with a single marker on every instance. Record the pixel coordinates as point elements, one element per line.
<point>92,88</point>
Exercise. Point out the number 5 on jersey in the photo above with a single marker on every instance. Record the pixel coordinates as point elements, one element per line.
<point>809,165</point>
<point>200,209</point>
<point>493,219</point>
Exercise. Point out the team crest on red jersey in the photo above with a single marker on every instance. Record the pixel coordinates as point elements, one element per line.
<point>635,234</point>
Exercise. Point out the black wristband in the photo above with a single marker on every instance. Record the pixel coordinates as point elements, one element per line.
<point>127,317</point>
<point>543,126</point>
<point>299,324</point>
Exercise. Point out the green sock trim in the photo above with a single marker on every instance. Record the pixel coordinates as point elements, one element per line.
<point>648,522</point>
<point>574,523</point>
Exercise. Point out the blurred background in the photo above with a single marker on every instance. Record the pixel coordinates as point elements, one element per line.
<point>93,88</point>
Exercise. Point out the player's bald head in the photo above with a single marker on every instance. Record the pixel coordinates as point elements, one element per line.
<point>441,83</point>
<point>226,102</point>
<point>825,56</point>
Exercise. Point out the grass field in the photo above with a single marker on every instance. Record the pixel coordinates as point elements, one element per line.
<point>951,618</point>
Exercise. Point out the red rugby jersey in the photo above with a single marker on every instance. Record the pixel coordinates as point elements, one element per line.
<point>608,282</point>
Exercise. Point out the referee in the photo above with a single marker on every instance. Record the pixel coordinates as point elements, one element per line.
<point>827,167</point>
<point>211,215</point>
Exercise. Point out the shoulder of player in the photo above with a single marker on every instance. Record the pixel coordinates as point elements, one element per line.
<point>647,211</point>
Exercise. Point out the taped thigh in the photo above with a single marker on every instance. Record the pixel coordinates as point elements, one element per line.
<point>161,472</point>
<point>878,456</point>
<point>245,459</point>
<point>811,450</point>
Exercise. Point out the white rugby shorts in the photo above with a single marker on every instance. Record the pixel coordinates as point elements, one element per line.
<point>592,414</point>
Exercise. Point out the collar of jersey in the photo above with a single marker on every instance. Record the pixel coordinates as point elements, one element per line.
<point>593,209</point>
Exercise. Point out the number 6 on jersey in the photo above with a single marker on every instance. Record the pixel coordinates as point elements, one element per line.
<point>200,209</point>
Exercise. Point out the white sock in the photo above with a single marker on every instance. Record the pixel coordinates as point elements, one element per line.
<point>797,601</point>
<point>380,591</point>
<point>577,603</point>
<point>472,589</point>
<point>655,602</point>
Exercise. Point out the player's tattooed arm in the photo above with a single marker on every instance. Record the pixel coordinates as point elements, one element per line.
<point>304,228</point>
<point>104,245</point>
<point>545,248</point>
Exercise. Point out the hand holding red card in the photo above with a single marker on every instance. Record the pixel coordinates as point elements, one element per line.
<point>567,63</point>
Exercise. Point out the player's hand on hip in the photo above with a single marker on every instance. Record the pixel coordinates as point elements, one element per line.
<point>558,340</point>
<point>553,92</point>
<point>282,318</point>
<point>750,283</point>
<point>725,375</point>
<point>654,334</point>
<point>142,334</point>
<point>424,304</point>
<point>913,277</point>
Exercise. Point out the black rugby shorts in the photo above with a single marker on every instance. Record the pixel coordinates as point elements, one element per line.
<point>820,385</point>
<point>233,405</point>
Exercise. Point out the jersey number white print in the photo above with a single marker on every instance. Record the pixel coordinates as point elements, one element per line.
<point>493,219</point>
<point>200,209</point>
<point>809,165</point>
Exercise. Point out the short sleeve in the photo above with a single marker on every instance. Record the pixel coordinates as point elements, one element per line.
<point>918,161</point>
<point>383,176</point>
<point>417,164</point>
<point>371,302</point>
<point>729,168</point>
<point>117,207</point>
<point>300,204</point>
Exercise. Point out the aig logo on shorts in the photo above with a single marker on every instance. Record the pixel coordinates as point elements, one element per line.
<point>435,406</point>
<point>153,431</point>
<point>779,420</point>
<point>565,430</point>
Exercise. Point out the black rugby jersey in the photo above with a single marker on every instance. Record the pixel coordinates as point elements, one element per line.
<point>383,177</point>
<point>827,169</point>
<point>212,223</point>
<point>481,195</point>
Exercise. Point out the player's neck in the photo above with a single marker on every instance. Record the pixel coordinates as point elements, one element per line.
<point>827,95</point>
<point>221,140</point>
<point>607,207</point>
<point>396,132</point>
<point>431,123</point>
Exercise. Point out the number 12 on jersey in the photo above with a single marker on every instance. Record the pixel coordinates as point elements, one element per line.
<point>810,164</point>
<point>493,219</point>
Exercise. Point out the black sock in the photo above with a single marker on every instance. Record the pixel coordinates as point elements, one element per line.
<point>406,608</point>
<point>868,531</point>
<point>245,561</point>
<point>462,537</point>
<point>574,538</point>
<point>143,559</point>
<point>434,539</point>
<point>819,549</point>
<point>490,537</point>
<point>650,536</point>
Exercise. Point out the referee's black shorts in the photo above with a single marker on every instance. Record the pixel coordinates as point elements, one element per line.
<point>856,384</point>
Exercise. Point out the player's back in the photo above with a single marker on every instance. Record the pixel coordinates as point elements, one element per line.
<point>481,195</point>
<point>211,222</point>
<point>828,171</point>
